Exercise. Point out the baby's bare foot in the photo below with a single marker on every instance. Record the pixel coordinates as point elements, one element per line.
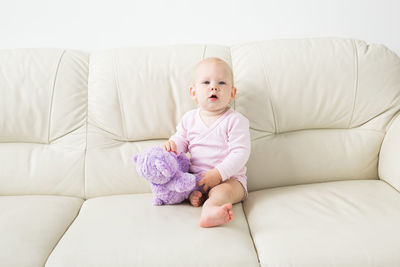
<point>214,216</point>
<point>195,198</point>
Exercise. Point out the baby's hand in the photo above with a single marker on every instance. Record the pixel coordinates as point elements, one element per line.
<point>210,179</point>
<point>170,146</point>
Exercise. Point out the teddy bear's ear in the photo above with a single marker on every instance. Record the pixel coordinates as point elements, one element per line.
<point>135,158</point>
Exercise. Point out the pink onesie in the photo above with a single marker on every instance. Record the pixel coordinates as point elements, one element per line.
<point>224,145</point>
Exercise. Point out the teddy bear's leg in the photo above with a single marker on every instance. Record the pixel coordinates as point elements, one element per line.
<point>157,201</point>
<point>175,198</point>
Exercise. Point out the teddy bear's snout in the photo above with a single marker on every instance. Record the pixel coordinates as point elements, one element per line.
<point>163,168</point>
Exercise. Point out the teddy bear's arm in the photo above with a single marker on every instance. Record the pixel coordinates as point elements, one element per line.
<point>183,162</point>
<point>182,182</point>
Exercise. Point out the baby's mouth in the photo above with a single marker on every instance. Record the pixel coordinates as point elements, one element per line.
<point>213,96</point>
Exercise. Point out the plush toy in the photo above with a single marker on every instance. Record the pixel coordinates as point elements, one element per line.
<point>168,174</point>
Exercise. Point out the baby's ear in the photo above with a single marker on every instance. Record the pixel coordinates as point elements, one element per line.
<point>233,93</point>
<point>193,93</point>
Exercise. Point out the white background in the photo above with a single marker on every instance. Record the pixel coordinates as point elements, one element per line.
<point>93,25</point>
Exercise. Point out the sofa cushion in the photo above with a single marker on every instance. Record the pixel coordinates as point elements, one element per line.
<point>299,93</point>
<point>317,83</point>
<point>126,230</point>
<point>135,95</point>
<point>31,226</point>
<point>43,94</point>
<point>389,168</point>
<point>44,169</point>
<point>43,106</point>
<point>347,223</point>
<point>314,155</point>
<point>125,84</point>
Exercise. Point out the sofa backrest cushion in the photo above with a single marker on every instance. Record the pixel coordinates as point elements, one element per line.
<point>136,98</point>
<point>318,111</point>
<point>318,108</point>
<point>43,105</point>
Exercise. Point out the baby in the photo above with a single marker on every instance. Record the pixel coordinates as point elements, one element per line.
<point>218,140</point>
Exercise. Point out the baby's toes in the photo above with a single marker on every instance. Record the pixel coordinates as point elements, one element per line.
<point>195,198</point>
<point>193,202</point>
<point>229,212</point>
<point>227,207</point>
<point>196,194</point>
<point>230,215</point>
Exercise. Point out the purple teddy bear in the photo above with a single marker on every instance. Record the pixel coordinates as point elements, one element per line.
<point>168,174</point>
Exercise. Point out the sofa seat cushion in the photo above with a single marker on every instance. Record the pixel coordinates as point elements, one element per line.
<point>31,226</point>
<point>126,230</point>
<point>347,223</point>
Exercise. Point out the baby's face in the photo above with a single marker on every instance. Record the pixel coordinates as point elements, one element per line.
<point>213,86</point>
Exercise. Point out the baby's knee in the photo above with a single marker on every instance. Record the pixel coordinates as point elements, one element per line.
<point>224,191</point>
<point>237,190</point>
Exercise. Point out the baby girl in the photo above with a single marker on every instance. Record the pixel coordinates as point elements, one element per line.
<point>218,140</point>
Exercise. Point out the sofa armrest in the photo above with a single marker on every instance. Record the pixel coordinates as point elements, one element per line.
<point>389,156</point>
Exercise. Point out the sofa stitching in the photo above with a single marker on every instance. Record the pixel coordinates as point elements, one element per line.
<point>204,52</point>
<point>250,233</point>
<point>64,232</point>
<point>315,129</point>
<point>87,119</point>
<point>230,55</point>
<point>397,114</point>
<point>269,86</point>
<point>52,95</point>
<point>121,108</point>
<point>355,50</point>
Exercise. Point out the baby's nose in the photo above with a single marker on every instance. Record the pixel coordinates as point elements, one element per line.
<point>214,87</point>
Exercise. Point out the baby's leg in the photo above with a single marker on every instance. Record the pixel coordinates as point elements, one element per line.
<point>217,209</point>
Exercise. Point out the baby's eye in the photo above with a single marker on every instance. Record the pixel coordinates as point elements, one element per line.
<point>221,82</point>
<point>206,82</point>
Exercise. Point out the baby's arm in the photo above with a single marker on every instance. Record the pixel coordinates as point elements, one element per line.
<point>210,179</point>
<point>178,140</point>
<point>170,146</point>
<point>239,148</point>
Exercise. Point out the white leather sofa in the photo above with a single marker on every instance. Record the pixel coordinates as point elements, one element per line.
<point>323,175</point>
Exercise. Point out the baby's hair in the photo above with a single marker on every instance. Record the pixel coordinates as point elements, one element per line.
<point>215,59</point>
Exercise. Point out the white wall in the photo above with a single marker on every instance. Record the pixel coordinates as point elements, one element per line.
<point>92,25</point>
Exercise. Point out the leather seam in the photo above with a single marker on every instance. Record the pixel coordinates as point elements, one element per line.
<point>355,82</point>
<point>394,118</point>
<point>87,126</point>
<point>270,88</point>
<point>234,100</point>
<point>250,233</point>
<point>204,52</point>
<point>121,108</point>
<point>52,95</point>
